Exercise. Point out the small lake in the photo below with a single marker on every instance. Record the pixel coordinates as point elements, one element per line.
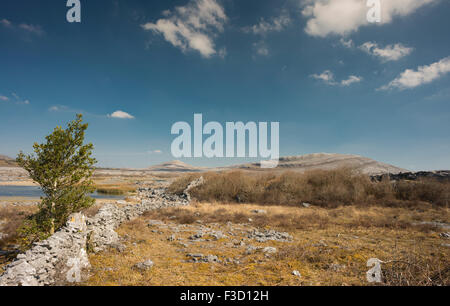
<point>36,192</point>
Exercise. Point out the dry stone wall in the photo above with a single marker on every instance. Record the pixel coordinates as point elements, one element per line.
<point>63,258</point>
<point>412,176</point>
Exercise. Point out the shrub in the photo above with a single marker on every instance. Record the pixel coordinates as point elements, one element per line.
<point>63,167</point>
<point>326,188</point>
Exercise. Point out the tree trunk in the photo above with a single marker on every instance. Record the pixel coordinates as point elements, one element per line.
<point>52,229</point>
<point>52,219</point>
<point>52,212</point>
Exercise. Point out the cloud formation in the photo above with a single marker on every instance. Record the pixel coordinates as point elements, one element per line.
<point>6,23</point>
<point>261,48</point>
<point>120,115</point>
<point>35,29</point>
<point>155,152</point>
<point>60,108</point>
<point>423,75</point>
<point>331,17</point>
<point>192,27</point>
<point>276,24</point>
<point>351,79</point>
<point>263,28</point>
<point>388,53</point>
<point>19,100</point>
<point>28,28</point>
<point>347,43</point>
<point>328,78</point>
<point>15,99</point>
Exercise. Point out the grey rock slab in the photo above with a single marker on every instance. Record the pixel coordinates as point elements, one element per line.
<point>144,266</point>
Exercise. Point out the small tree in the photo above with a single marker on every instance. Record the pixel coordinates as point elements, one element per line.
<point>63,167</point>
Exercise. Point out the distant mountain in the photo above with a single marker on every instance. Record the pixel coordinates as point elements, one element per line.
<point>328,161</point>
<point>175,166</point>
<point>6,161</point>
<point>324,161</point>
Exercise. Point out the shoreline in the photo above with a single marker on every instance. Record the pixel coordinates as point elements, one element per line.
<point>27,183</point>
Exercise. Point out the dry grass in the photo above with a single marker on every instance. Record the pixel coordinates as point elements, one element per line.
<point>8,163</point>
<point>322,188</point>
<point>13,218</point>
<point>295,218</point>
<point>116,189</point>
<point>414,269</point>
<point>330,247</point>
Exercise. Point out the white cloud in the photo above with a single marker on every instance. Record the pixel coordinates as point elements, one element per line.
<point>25,102</point>
<point>222,53</point>
<point>261,48</point>
<point>29,28</point>
<point>347,43</point>
<point>155,152</point>
<point>192,27</point>
<point>6,23</point>
<point>58,108</point>
<point>17,100</point>
<point>351,79</point>
<point>276,24</point>
<point>4,98</point>
<point>342,17</point>
<point>388,53</point>
<point>121,115</point>
<point>328,78</point>
<point>423,75</point>
<point>35,29</point>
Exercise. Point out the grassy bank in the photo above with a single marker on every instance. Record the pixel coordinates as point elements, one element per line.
<point>322,188</point>
<point>115,189</point>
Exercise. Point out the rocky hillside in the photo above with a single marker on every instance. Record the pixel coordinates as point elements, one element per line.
<point>443,175</point>
<point>6,161</point>
<point>175,166</point>
<point>328,161</point>
<point>325,161</point>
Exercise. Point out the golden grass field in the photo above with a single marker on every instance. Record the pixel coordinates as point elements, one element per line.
<point>330,247</point>
<point>351,220</point>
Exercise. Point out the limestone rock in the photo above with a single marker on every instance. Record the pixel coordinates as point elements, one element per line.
<point>259,211</point>
<point>269,250</point>
<point>445,235</point>
<point>144,266</point>
<point>62,258</point>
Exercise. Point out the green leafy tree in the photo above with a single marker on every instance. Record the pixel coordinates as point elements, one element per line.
<point>63,167</point>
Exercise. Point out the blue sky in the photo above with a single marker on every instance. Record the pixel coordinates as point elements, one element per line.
<point>335,82</point>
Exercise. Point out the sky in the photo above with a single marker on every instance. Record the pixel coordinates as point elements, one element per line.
<point>335,82</point>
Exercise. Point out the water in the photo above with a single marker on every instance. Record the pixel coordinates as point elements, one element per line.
<point>35,192</point>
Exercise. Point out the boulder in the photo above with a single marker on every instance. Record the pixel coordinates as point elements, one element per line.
<point>144,266</point>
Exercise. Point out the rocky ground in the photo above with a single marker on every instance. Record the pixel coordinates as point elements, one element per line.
<point>14,176</point>
<point>243,244</point>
